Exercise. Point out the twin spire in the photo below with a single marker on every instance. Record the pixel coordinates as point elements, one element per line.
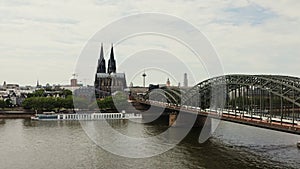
<point>111,62</point>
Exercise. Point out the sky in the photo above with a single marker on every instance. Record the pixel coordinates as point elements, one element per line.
<point>44,40</point>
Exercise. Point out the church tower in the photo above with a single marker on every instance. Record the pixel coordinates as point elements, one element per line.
<point>108,82</point>
<point>111,62</point>
<point>168,84</point>
<point>101,62</point>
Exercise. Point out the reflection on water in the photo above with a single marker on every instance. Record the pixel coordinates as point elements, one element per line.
<point>274,145</point>
<point>26,144</point>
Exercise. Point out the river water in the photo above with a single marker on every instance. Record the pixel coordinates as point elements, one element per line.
<point>26,144</point>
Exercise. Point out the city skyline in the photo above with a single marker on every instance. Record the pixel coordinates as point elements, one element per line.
<point>42,41</point>
<point>149,84</point>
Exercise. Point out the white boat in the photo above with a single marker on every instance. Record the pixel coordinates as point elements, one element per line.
<point>45,116</point>
<point>87,116</point>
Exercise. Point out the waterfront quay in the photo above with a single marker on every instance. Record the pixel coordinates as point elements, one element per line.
<point>15,114</point>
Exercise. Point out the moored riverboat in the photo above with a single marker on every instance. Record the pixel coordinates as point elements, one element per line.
<point>86,116</point>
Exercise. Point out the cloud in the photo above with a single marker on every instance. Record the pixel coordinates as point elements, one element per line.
<point>251,14</point>
<point>250,36</point>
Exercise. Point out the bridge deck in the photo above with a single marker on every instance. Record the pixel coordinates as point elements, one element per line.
<point>252,121</point>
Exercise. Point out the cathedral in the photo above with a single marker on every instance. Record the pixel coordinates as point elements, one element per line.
<point>108,82</point>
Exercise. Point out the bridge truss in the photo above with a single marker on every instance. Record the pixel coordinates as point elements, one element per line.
<point>260,96</point>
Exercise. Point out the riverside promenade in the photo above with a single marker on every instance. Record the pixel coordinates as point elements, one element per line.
<point>14,114</point>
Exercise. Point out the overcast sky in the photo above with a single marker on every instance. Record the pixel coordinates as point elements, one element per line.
<point>43,39</point>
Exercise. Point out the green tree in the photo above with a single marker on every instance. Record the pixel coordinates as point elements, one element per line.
<point>48,103</point>
<point>36,103</point>
<point>2,104</point>
<point>8,103</point>
<point>68,102</point>
<point>48,87</point>
<point>106,103</point>
<point>39,93</point>
<point>66,92</point>
<point>27,103</point>
<point>59,103</point>
<point>117,101</point>
<point>120,100</point>
<point>80,103</point>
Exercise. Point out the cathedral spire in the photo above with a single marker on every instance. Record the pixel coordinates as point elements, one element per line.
<point>101,62</point>
<point>38,84</point>
<point>111,62</point>
<point>101,52</point>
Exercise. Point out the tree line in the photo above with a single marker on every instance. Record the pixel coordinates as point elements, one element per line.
<point>4,104</point>
<point>117,101</point>
<point>38,101</point>
<point>48,103</point>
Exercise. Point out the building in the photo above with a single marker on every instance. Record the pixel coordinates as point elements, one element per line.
<point>108,82</point>
<point>74,85</point>
<point>185,80</point>
<point>14,93</point>
<point>168,83</point>
<point>74,82</point>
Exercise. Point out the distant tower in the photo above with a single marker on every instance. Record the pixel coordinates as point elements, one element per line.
<point>144,78</point>
<point>168,84</point>
<point>74,81</point>
<point>38,84</point>
<point>111,62</point>
<point>101,68</point>
<point>185,80</point>
<point>4,85</point>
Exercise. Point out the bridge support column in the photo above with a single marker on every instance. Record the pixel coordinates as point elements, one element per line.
<point>172,119</point>
<point>202,121</point>
<point>206,128</point>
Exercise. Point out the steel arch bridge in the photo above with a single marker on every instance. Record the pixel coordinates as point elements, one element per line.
<point>275,97</point>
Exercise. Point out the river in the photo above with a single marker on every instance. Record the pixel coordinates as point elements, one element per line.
<point>26,144</point>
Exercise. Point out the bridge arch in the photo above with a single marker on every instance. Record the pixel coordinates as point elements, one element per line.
<point>270,94</point>
<point>167,94</point>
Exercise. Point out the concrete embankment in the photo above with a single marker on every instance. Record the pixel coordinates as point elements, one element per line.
<point>15,114</point>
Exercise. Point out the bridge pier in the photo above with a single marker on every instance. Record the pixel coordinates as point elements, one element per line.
<point>172,119</point>
<point>169,117</point>
<point>200,122</point>
<point>202,128</point>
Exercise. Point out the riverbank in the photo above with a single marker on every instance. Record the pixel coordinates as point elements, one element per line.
<point>26,114</point>
<point>21,113</point>
<point>15,114</point>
